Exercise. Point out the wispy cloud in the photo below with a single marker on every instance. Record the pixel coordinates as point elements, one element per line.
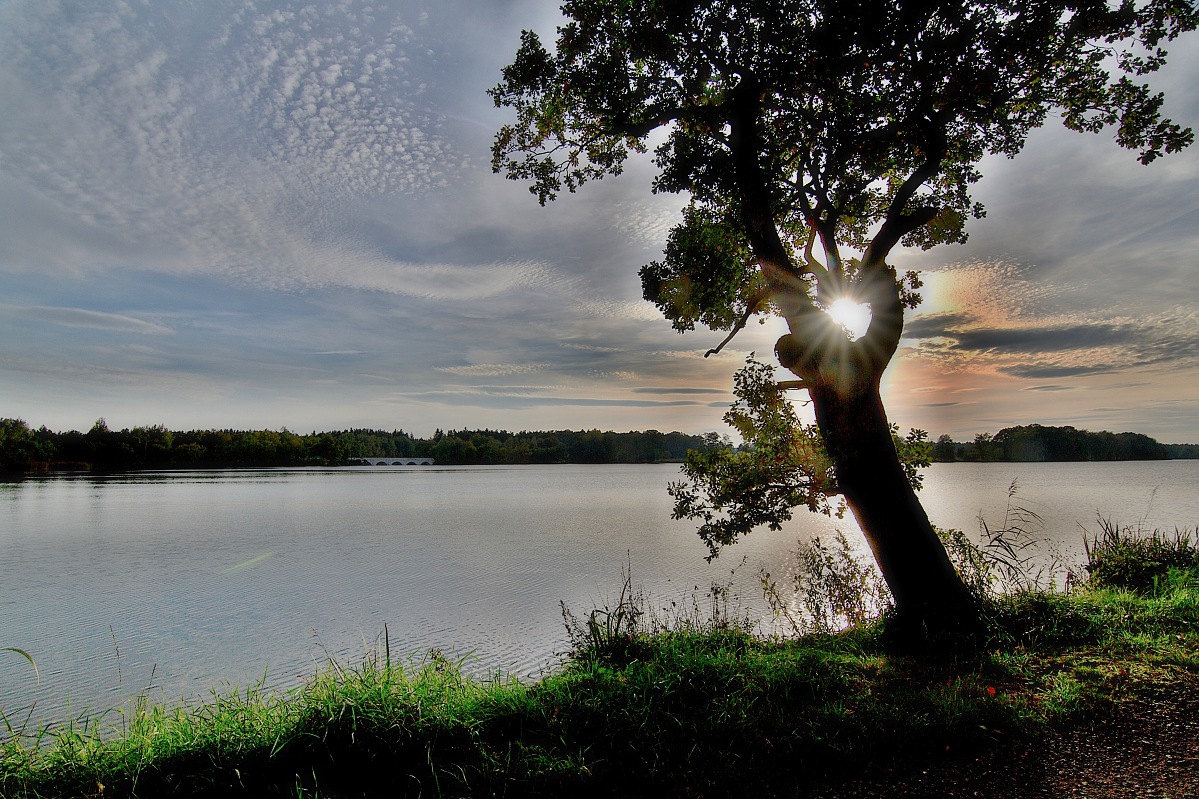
<point>648,221</point>
<point>677,390</point>
<point>1040,339</point>
<point>454,282</point>
<point>82,317</point>
<point>493,369</point>
<point>516,401</point>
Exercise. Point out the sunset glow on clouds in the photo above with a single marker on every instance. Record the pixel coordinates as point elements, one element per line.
<point>266,214</point>
<point>992,347</point>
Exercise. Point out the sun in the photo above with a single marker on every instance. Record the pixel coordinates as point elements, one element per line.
<point>854,317</point>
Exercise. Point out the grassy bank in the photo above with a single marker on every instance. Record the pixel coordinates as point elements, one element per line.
<point>685,709</point>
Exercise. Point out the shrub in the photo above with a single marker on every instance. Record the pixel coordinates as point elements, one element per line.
<point>833,587</point>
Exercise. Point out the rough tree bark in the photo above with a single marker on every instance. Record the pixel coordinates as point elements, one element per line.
<point>925,585</point>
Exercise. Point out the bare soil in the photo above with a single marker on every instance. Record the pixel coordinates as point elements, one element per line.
<point>1146,747</point>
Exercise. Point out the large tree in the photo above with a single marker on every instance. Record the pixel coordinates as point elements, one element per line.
<point>812,137</point>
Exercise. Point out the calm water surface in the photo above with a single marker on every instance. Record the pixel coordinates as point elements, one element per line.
<point>178,584</point>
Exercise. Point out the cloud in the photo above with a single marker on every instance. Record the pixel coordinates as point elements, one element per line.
<point>670,390</point>
<point>223,138</point>
<point>454,282</point>
<point>1041,371</point>
<point>993,291</point>
<point>937,325</point>
<point>96,320</point>
<point>493,369</point>
<point>614,374</point>
<point>299,194</point>
<point>1041,339</point>
<point>526,401</point>
<point>1002,318</point>
<point>619,309</point>
<point>647,221</point>
<point>572,345</point>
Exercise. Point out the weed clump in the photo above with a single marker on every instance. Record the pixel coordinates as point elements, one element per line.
<point>628,629</point>
<point>1133,559</point>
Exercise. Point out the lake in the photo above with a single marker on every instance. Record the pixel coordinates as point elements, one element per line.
<point>173,585</point>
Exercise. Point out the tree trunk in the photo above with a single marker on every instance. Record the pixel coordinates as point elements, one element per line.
<point>930,597</point>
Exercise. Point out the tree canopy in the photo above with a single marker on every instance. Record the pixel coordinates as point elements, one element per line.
<point>790,123</point>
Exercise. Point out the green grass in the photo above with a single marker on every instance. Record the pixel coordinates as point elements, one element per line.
<point>690,708</point>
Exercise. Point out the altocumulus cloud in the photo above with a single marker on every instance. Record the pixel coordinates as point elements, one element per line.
<point>220,138</point>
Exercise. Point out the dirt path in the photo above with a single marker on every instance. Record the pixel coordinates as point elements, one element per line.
<point>1148,747</point>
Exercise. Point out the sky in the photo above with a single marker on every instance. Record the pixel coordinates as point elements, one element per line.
<point>264,214</point>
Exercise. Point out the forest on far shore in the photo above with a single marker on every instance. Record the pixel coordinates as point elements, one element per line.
<point>100,449</point>
<point>1035,442</point>
<point>23,449</point>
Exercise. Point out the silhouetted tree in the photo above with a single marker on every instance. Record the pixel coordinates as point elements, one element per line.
<point>844,128</point>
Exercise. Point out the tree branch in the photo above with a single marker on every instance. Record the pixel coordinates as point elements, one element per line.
<point>661,115</point>
<point>818,269</point>
<point>753,307</point>
<point>756,212</point>
<point>897,223</point>
<point>894,229</point>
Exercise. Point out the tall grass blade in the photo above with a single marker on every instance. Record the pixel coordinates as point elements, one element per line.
<point>28,657</point>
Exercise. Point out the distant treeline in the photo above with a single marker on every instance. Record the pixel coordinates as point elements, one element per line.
<point>23,449</point>
<point>1036,442</point>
